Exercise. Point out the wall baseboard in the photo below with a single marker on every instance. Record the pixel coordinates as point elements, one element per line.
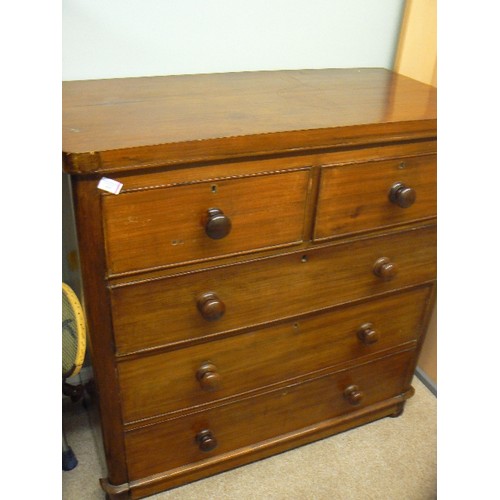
<point>430,384</point>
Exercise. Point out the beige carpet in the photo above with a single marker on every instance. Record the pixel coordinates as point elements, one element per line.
<point>391,459</point>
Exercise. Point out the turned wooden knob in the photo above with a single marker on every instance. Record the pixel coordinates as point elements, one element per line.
<point>385,269</point>
<point>402,195</point>
<point>208,377</point>
<point>206,440</point>
<point>367,334</point>
<point>353,395</point>
<point>218,225</point>
<point>210,306</point>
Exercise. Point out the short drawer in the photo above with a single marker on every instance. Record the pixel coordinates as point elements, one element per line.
<point>201,304</point>
<point>364,196</point>
<point>161,383</point>
<point>209,434</point>
<point>201,220</point>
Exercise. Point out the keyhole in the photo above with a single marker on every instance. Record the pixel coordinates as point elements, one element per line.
<point>214,188</point>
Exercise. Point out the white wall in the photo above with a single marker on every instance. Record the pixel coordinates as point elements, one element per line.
<point>120,38</point>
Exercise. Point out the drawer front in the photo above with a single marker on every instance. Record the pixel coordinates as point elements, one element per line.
<point>159,227</point>
<point>157,448</point>
<point>355,198</point>
<point>200,374</point>
<point>174,309</point>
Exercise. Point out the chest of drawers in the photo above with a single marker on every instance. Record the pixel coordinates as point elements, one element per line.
<point>264,275</point>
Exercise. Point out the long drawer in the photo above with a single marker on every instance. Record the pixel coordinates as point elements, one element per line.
<point>165,382</point>
<point>204,219</point>
<point>204,303</point>
<point>201,435</point>
<point>357,197</point>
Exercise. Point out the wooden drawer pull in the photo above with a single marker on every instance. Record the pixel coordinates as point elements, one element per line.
<point>208,377</point>
<point>367,334</point>
<point>218,225</point>
<point>353,395</point>
<point>210,306</point>
<point>402,195</point>
<point>385,269</point>
<point>206,440</point>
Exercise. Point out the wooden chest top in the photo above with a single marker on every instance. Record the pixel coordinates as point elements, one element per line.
<point>117,124</point>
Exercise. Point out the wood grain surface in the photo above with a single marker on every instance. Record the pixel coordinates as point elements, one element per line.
<point>166,382</point>
<point>255,419</point>
<point>354,198</point>
<point>164,311</point>
<point>121,123</point>
<point>157,227</point>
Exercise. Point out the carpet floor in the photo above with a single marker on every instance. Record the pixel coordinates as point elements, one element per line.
<point>390,459</point>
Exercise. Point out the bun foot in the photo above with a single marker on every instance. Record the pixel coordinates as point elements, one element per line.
<point>399,410</point>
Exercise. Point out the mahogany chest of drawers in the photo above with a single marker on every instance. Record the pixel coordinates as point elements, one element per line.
<point>258,253</point>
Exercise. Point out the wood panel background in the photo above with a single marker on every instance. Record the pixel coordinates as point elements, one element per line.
<point>417,58</point>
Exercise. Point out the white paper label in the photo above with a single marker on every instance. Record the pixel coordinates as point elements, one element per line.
<point>110,185</point>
